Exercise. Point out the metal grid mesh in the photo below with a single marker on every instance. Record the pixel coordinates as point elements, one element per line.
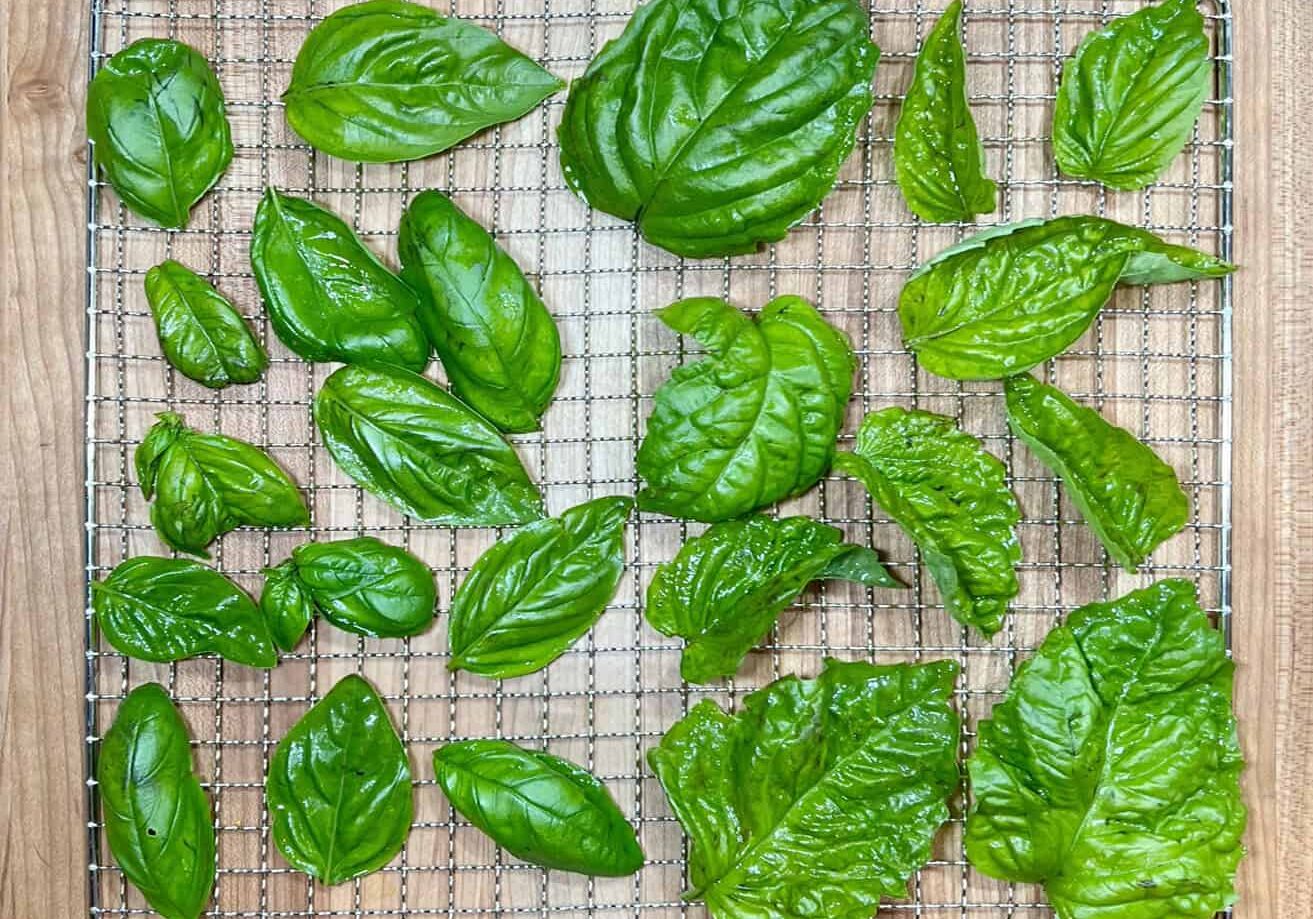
<point>1156,361</point>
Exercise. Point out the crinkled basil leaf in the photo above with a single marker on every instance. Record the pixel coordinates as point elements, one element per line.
<point>202,334</point>
<point>718,126</point>
<point>1111,772</point>
<point>725,588</point>
<point>498,344</point>
<point>538,807</point>
<point>386,81</point>
<point>338,788</point>
<point>821,796</point>
<point>754,422</point>
<point>535,592</point>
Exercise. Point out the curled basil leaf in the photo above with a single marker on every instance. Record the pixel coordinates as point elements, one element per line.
<point>201,332</point>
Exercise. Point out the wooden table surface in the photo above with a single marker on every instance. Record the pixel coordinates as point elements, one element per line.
<point>43,46</point>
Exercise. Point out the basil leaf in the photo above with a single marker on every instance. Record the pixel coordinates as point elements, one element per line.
<point>286,605</point>
<point>201,332</point>
<point>724,590</point>
<point>498,344</point>
<point>755,422</point>
<point>386,81</point>
<point>409,442</point>
<point>156,115</point>
<point>338,787</point>
<point>1129,497</point>
<point>538,807</point>
<point>204,485</point>
<point>937,153</point>
<point>1130,97</point>
<point>1001,303</point>
<point>821,796</point>
<point>1111,772</point>
<point>717,127</point>
<point>329,297</point>
<point>535,592</point>
<point>952,498</point>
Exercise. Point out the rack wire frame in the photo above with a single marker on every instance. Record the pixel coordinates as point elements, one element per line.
<point>1157,361</point>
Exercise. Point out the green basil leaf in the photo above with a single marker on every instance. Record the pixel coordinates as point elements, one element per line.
<point>498,344</point>
<point>204,485</point>
<point>156,115</point>
<point>339,788</point>
<point>717,127</point>
<point>1111,772</point>
<point>201,332</point>
<point>939,161</point>
<point>821,796</point>
<point>1130,97</point>
<point>411,443</point>
<point>755,422</point>
<point>538,807</point>
<point>286,604</point>
<point>952,498</point>
<point>386,81</point>
<point>1129,497</point>
<point>329,297</point>
<point>1016,296</point>
<point>535,592</point>
<point>725,588</point>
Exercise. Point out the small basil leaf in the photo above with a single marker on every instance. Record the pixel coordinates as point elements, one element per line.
<point>755,422</point>
<point>157,818</point>
<point>339,788</point>
<point>286,604</point>
<point>156,114</point>
<point>538,807</point>
<point>419,448</point>
<point>535,592</point>
<point>498,344</point>
<point>201,332</point>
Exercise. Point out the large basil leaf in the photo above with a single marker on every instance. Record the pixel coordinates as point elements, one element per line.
<point>204,485</point>
<point>386,81</point>
<point>1015,296</point>
<point>821,796</point>
<point>156,114</point>
<point>1111,772</point>
<point>538,807</point>
<point>498,344</point>
<point>422,450</point>
<point>1129,497</point>
<point>725,588</point>
<point>716,125</point>
<point>755,422</point>
<point>952,499</point>
<point>201,332</point>
<point>329,297</point>
<point>535,592</point>
<point>937,154</point>
<point>338,787</point>
<point>157,818</point>
<point>1129,98</point>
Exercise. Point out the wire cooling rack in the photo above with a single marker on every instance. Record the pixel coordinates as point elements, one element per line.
<point>1156,361</point>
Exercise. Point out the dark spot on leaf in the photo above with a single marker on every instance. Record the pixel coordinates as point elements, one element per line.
<point>150,831</point>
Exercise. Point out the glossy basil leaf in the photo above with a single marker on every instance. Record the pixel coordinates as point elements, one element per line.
<point>951,497</point>
<point>938,158</point>
<point>724,590</point>
<point>1129,497</point>
<point>1130,97</point>
<point>204,485</point>
<point>538,807</point>
<point>156,114</point>
<point>413,444</point>
<point>286,605</point>
<point>1015,296</point>
<point>754,422</point>
<point>717,127</point>
<point>498,344</point>
<point>386,81</point>
<point>821,796</point>
<point>157,818</point>
<point>535,592</point>
<point>1111,772</point>
<point>338,788</point>
<point>202,334</point>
